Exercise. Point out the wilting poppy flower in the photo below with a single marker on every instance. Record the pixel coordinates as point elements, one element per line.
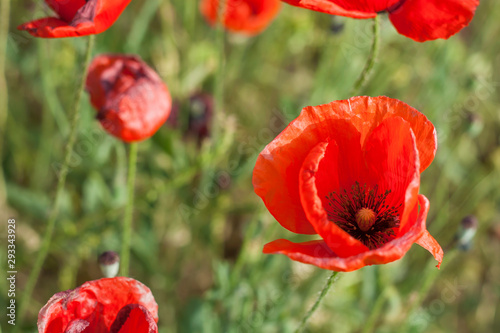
<point>107,305</point>
<point>76,18</point>
<point>349,171</point>
<point>244,16</point>
<point>132,101</point>
<point>420,20</point>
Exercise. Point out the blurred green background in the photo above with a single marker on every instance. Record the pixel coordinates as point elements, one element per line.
<point>198,227</point>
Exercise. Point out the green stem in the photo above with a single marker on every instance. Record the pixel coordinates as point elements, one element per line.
<point>219,79</point>
<point>4,33</point>
<point>322,295</point>
<point>129,210</point>
<point>370,63</point>
<point>47,237</point>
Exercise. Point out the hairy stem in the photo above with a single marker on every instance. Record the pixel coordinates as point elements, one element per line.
<point>370,62</point>
<point>129,210</point>
<point>322,295</point>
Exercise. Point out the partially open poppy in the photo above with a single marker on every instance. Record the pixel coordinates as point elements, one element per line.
<point>244,16</point>
<point>76,18</point>
<point>132,101</point>
<point>349,171</point>
<point>114,305</point>
<point>420,20</point>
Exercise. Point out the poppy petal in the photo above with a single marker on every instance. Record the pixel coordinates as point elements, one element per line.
<point>319,254</point>
<point>95,301</point>
<point>276,173</point>
<point>245,16</point>
<point>430,244</point>
<point>93,17</point>
<point>134,318</point>
<point>324,158</point>
<point>66,9</point>
<point>366,113</point>
<point>392,161</point>
<point>423,20</point>
<point>77,326</point>
<point>345,8</point>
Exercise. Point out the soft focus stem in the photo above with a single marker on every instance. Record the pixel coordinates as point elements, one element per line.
<point>129,210</point>
<point>4,33</point>
<point>47,237</point>
<point>322,295</point>
<point>370,63</point>
<point>219,78</point>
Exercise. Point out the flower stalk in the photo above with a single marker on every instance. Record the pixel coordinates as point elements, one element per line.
<point>365,75</point>
<point>129,210</point>
<point>4,31</point>
<point>324,291</point>
<point>54,211</point>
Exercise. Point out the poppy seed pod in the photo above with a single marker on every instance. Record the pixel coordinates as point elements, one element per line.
<point>109,262</point>
<point>76,18</point>
<point>131,100</point>
<point>248,17</point>
<point>349,171</point>
<point>420,20</point>
<point>121,305</point>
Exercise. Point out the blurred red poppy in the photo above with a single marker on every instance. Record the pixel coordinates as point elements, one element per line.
<point>420,20</point>
<point>76,18</point>
<point>107,305</point>
<point>244,16</point>
<point>132,101</point>
<point>349,171</point>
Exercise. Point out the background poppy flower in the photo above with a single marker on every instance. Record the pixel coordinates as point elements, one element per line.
<point>349,171</point>
<point>420,20</point>
<point>118,304</point>
<point>132,101</point>
<point>76,18</point>
<point>244,16</point>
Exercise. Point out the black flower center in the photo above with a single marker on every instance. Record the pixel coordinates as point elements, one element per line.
<point>364,215</point>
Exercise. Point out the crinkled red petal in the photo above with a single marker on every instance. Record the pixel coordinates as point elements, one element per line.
<point>423,20</point>
<point>66,9</point>
<point>95,301</point>
<point>94,17</point>
<point>134,318</point>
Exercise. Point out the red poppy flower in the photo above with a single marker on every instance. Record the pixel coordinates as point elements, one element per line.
<point>245,16</point>
<point>349,171</point>
<point>420,20</point>
<point>76,18</point>
<point>132,101</point>
<point>118,304</point>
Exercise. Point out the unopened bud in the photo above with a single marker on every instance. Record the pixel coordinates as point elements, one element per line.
<point>467,231</point>
<point>109,262</point>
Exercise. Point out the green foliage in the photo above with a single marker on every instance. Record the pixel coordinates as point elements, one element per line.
<point>198,227</point>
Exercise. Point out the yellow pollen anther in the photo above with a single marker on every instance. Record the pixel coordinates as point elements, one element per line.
<point>365,218</point>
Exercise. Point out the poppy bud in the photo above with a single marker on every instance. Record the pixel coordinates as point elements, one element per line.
<point>109,262</point>
<point>475,124</point>
<point>131,100</point>
<point>200,115</point>
<point>466,232</point>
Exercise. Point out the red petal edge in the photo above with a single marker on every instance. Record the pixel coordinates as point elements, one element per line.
<point>319,254</point>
